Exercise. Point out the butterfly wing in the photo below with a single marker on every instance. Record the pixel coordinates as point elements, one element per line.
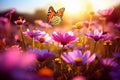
<point>56,20</point>
<point>60,12</point>
<point>51,13</point>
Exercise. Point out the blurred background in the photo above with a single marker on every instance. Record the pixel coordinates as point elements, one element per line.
<point>75,10</point>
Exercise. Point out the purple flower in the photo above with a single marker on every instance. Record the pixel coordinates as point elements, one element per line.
<point>115,74</point>
<point>63,38</point>
<point>76,57</point>
<point>96,35</point>
<point>44,38</point>
<point>43,54</point>
<point>117,55</point>
<point>109,63</point>
<point>32,34</point>
<point>24,75</point>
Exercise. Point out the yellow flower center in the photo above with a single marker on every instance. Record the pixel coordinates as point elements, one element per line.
<point>78,25</point>
<point>42,39</point>
<point>78,60</point>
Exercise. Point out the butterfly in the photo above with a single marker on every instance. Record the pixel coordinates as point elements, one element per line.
<point>53,17</point>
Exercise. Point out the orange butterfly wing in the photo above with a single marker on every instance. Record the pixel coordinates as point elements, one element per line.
<point>60,12</point>
<point>51,13</point>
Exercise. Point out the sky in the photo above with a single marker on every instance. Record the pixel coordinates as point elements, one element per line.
<point>23,5</point>
<point>30,6</point>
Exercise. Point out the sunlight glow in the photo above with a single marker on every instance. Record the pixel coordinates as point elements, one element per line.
<point>101,4</point>
<point>73,6</point>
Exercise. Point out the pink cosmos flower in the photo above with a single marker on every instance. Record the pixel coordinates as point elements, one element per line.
<point>79,78</point>
<point>63,38</point>
<point>42,24</point>
<point>44,38</point>
<point>10,12</point>
<point>76,57</point>
<point>4,23</point>
<point>108,62</point>
<point>106,12</point>
<point>14,57</point>
<point>96,35</point>
<point>32,34</point>
<point>38,35</point>
<point>17,64</point>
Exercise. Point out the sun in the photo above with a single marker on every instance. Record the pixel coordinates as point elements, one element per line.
<point>73,6</point>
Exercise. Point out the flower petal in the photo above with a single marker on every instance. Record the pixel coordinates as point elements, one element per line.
<point>92,58</point>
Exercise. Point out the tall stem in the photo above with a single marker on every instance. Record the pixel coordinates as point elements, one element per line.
<point>103,24</point>
<point>23,43</point>
<point>109,51</point>
<point>117,46</point>
<point>94,46</point>
<point>89,22</point>
<point>83,44</point>
<point>10,16</point>
<point>33,43</point>
<point>78,70</point>
<point>61,65</point>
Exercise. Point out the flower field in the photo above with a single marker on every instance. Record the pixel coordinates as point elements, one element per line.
<point>88,49</point>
